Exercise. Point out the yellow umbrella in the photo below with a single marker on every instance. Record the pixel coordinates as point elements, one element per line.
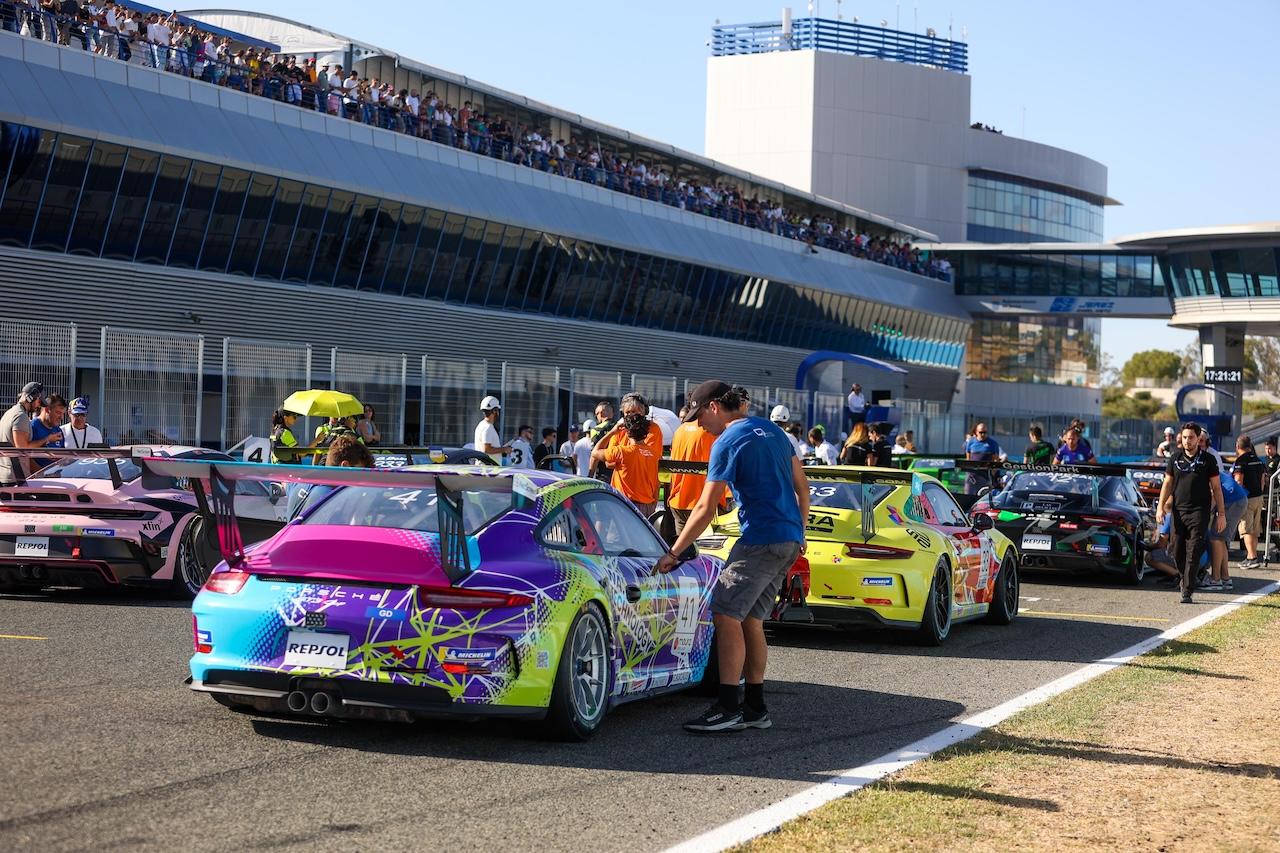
<point>319,403</point>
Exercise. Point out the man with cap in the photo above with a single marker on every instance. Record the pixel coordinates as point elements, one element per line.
<point>582,449</point>
<point>486,433</point>
<point>781,416</point>
<point>1169,445</point>
<point>566,446</point>
<point>79,433</point>
<point>753,458</point>
<point>15,429</point>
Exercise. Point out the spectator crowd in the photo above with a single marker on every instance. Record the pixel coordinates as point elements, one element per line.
<point>179,45</point>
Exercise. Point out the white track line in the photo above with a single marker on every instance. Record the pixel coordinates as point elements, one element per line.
<point>848,781</point>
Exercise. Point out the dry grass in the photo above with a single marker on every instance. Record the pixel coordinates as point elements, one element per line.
<point>1179,751</point>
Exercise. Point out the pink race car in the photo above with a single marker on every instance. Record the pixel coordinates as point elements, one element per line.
<point>93,518</point>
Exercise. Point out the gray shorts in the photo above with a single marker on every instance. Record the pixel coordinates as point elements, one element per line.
<point>1235,512</point>
<point>751,578</point>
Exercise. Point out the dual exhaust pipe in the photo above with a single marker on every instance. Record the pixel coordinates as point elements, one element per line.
<point>318,702</point>
<point>1030,560</point>
<point>31,573</point>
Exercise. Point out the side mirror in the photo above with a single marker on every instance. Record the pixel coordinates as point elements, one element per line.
<point>276,491</point>
<point>664,521</point>
<point>982,521</point>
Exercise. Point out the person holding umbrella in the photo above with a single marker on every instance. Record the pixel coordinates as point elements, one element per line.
<point>340,408</point>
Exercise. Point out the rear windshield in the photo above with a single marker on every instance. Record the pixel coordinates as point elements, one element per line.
<point>845,495</point>
<point>401,508</point>
<point>90,469</point>
<point>1051,484</point>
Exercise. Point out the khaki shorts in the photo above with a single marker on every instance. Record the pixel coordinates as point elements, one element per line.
<point>1251,523</point>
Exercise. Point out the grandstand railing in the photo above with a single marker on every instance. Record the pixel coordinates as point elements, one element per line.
<point>267,83</point>
<point>840,37</point>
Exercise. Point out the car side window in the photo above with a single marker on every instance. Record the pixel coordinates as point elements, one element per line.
<point>619,529</point>
<point>945,508</point>
<point>563,530</point>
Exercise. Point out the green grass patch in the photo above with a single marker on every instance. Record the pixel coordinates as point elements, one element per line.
<point>952,798</point>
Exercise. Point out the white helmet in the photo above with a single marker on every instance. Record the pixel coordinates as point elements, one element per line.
<point>490,403</point>
<point>780,414</point>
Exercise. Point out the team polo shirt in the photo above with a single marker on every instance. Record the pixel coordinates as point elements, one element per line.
<point>1191,477</point>
<point>754,457</point>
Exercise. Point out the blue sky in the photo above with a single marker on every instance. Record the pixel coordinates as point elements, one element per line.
<point>1176,98</point>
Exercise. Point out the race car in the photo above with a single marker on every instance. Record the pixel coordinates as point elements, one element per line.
<point>445,590</point>
<point>892,548</point>
<point>1148,476</point>
<point>1075,518</point>
<point>941,468</point>
<point>92,518</point>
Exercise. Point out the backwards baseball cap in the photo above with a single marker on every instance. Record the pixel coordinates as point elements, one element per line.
<point>706,392</point>
<point>80,406</point>
<point>490,403</point>
<point>1168,430</point>
<point>32,391</point>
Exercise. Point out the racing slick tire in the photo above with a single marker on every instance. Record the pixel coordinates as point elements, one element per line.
<point>1004,598</point>
<point>193,563</point>
<point>580,696</point>
<point>468,457</point>
<point>935,625</point>
<point>1137,568</point>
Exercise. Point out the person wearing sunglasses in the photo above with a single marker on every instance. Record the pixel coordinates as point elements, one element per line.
<point>980,448</point>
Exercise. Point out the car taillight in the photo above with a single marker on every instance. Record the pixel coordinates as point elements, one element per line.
<point>879,602</point>
<point>868,551</point>
<point>227,583</point>
<point>455,598</point>
<point>201,639</point>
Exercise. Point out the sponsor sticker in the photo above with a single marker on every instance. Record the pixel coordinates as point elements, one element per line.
<point>316,649</point>
<point>894,515</point>
<point>28,528</point>
<point>151,526</point>
<point>1095,548</point>
<point>64,528</point>
<point>456,655</point>
<point>877,581</point>
<point>544,659</point>
<point>31,546</point>
<point>386,613</point>
<point>205,637</point>
<point>522,485</point>
<point>97,531</point>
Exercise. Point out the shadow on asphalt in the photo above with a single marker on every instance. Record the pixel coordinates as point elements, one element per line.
<point>114,597</point>
<point>814,726</point>
<point>1028,638</point>
<point>1086,751</point>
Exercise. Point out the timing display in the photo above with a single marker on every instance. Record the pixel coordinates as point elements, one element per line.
<point>1224,375</point>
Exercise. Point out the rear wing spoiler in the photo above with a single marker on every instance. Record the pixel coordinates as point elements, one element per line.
<point>384,456</point>
<point>111,454</point>
<point>448,487</point>
<point>1084,470</point>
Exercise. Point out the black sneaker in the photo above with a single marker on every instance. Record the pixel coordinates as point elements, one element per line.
<point>754,719</point>
<point>1186,598</point>
<point>715,719</point>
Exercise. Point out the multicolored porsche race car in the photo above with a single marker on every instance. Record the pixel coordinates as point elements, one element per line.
<point>445,590</point>
<point>1076,518</point>
<point>92,518</point>
<point>892,548</point>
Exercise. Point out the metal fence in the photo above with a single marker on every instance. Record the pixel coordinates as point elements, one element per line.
<point>256,378</point>
<point>658,390</point>
<point>41,352</point>
<point>588,387</point>
<point>530,395</point>
<point>450,399</point>
<point>378,381</point>
<point>828,412</point>
<point>796,400</point>
<point>150,386</point>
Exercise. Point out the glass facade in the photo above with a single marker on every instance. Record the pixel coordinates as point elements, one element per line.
<point>59,190</point>
<point>982,273</point>
<point>1002,210</point>
<point>1250,271</point>
<point>1057,350</point>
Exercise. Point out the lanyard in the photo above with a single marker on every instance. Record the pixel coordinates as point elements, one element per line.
<point>83,440</point>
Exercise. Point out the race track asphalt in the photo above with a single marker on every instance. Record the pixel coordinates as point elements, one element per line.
<point>104,748</point>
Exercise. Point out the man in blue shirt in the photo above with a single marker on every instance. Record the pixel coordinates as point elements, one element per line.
<point>46,430</point>
<point>980,448</point>
<point>753,458</point>
<point>1074,450</point>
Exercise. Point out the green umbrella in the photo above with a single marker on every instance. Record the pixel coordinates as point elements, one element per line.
<point>319,403</point>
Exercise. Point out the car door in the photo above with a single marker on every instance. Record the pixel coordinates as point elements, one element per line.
<point>972,576</point>
<point>656,616</point>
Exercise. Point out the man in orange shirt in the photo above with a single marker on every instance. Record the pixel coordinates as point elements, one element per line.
<point>632,450</point>
<point>691,443</point>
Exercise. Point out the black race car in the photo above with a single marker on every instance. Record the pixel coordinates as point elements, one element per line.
<point>1075,518</point>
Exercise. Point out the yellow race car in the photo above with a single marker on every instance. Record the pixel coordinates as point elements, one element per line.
<point>891,548</point>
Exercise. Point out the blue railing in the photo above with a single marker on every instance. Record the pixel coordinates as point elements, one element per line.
<point>841,37</point>
<point>269,83</point>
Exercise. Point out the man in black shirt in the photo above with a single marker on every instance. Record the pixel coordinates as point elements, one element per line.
<point>1250,472</point>
<point>881,452</point>
<point>1191,488</point>
<point>1039,451</point>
